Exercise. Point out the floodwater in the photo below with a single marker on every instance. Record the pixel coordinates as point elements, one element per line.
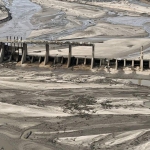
<point>22,11</point>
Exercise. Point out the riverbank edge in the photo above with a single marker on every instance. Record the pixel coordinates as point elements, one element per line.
<point>8,18</point>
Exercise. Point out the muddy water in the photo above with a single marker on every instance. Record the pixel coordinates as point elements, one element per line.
<point>22,11</point>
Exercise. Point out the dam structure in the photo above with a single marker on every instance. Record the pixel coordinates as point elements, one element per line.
<point>17,50</point>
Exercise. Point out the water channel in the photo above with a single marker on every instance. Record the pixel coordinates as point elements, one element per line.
<point>22,11</point>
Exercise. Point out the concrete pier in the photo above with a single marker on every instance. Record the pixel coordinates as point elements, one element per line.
<point>58,59</point>
<point>100,62</point>
<point>149,64</point>
<point>92,59</point>
<point>85,61</point>
<point>62,60</point>
<point>54,60</point>
<point>116,66</point>
<point>69,56</point>
<point>32,59</point>
<point>125,63</point>
<point>103,62</point>
<point>141,59</point>
<point>46,59</point>
<point>11,47</point>
<point>24,55</point>
<point>132,63</point>
<point>40,59</point>
<point>77,61</point>
<point>1,52</point>
<point>108,63</point>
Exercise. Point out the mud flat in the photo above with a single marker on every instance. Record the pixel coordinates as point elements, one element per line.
<point>4,13</point>
<point>47,109</point>
<point>72,109</point>
<point>21,13</point>
<point>79,20</point>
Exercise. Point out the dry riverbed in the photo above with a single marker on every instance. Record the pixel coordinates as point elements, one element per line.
<point>59,110</point>
<point>68,20</point>
<point>55,108</point>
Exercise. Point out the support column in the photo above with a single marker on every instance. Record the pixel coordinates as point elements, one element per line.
<point>133,63</point>
<point>85,61</point>
<point>108,63</point>
<point>14,45</point>
<point>92,59</point>
<point>40,59</point>
<point>100,62</point>
<point>125,63</point>
<point>46,59</point>
<point>11,47</point>
<point>7,45</point>
<point>62,60</point>
<point>54,60</point>
<point>141,59</point>
<point>18,50</point>
<point>116,67</point>
<point>149,64</point>
<point>58,59</point>
<point>32,60</point>
<point>24,55</point>
<point>103,62</point>
<point>69,56</point>
<point>77,61</point>
<point>1,52</point>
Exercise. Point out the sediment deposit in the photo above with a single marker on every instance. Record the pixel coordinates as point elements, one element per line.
<point>81,110</point>
<point>55,108</point>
